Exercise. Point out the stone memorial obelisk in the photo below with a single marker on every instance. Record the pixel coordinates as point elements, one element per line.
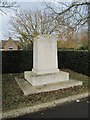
<point>45,65</point>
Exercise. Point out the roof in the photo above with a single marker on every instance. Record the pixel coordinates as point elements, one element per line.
<point>5,41</point>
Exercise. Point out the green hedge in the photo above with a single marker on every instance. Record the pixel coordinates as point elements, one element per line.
<point>75,60</point>
<point>20,61</point>
<point>16,61</point>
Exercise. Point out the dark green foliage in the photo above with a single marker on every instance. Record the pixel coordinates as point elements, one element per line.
<point>16,61</point>
<point>20,61</point>
<point>74,60</point>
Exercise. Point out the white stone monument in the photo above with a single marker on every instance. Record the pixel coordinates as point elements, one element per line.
<point>45,55</point>
<point>45,75</point>
<point>45,65</point>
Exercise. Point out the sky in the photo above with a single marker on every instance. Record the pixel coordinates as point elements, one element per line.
<point>24,4</point>
<point>4,19</point>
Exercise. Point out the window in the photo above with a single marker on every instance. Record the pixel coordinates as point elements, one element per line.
<point>10,48</point>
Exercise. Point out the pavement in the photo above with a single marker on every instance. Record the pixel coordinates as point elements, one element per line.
<point>42,106</point>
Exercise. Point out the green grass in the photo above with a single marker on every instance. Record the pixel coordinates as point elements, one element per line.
<point>13,97</point>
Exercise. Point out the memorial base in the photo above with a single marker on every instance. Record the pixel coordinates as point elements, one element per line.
<point>38,80</point>
<point>28,89</point>
<point>45,71</point>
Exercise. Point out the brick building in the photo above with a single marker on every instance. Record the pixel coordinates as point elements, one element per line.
<point>10,44</point>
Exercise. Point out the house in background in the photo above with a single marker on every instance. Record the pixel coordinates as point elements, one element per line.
<point>10,44</point>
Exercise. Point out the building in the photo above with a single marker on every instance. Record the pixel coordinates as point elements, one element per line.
<point>10,44</point>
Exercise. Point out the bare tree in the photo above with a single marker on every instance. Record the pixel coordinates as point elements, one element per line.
<point>28,24</point>
<point>4,6</point>
<point>76,12</point>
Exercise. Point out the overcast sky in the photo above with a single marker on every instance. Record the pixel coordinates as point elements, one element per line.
<point>24,4</point>
<point>4,19</point>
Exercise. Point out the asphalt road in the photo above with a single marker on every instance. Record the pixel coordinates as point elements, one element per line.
<point>76,109</point>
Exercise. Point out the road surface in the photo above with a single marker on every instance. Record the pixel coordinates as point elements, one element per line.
<point>76,109</point>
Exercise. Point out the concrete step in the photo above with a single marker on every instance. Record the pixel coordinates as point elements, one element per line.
<point>27,88</point>
<point>37,80</point>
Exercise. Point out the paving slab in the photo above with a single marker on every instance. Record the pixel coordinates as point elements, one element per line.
<point>28,89</point>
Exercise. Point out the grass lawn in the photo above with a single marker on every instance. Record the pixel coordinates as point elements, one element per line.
<point>13,97</point>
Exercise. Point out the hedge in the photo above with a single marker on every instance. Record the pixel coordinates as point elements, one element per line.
<point>77,61</point>
<point>20,61</point>
<point>16,61</point>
